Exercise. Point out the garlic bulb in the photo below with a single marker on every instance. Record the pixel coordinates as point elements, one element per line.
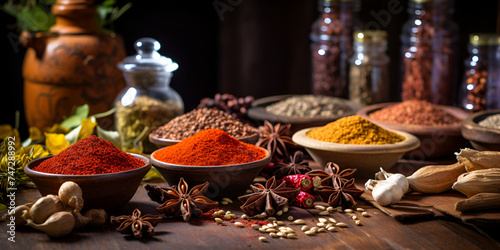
<point>387,192</point>
<point>71,195</point>
<point>401,181</point>
<point>43,208</point>
<point>57,225</point>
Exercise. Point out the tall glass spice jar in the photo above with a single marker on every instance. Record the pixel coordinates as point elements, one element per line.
<point>148,102</point>
<point>369,73</point>
<point>472,95</point>
<point>331,46</point>
<point>429,44</point>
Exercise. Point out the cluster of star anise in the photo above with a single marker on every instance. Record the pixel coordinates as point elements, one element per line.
<point>337,187</point>
<point>136,224</point>
<point>275,139</point>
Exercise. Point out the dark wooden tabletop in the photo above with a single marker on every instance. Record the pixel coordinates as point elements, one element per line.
<point>378,231</point>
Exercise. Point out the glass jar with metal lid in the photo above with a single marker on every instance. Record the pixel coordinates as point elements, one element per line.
<point>477,79</point>
<point>429,44</point>
<point>369,73</point>
<point>148,101</point>
<point>331,46</point>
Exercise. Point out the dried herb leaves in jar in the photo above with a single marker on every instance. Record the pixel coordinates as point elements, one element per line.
<point>310,106</point>
<point>415,112</point>
<point>197,120</point>
<point>144,112</point>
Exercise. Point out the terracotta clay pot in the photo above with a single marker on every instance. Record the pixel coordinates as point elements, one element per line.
<point>74,63</point>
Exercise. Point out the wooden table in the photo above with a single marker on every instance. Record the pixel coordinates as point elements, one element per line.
<point>378,231</point>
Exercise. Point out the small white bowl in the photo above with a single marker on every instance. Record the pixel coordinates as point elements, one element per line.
<point>367,159</point>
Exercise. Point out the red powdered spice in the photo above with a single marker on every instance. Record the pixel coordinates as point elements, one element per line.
<point>89,156</point>
<point>210,147</point>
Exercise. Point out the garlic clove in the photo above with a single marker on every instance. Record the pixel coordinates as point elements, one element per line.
<point>57,225</point>
<point>387,192</point>
<point>43,208</point>
<point>18,214</point>
<point>401,181</point>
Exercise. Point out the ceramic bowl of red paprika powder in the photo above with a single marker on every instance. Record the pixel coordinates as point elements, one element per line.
<point>212,155</point>
<point>107,176</point>
<point>437,127</point>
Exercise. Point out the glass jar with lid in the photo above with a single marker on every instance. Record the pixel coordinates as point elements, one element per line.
<point>369,72</point>
<point>331,46</point>
<point>147,102</point>
<point>429,44</point>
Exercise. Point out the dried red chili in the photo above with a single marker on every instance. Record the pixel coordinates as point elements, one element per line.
<point>89,156</point>
<point>304,199</point>
<point>210,147</point>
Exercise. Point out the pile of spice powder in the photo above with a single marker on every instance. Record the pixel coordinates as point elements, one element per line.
<point>354,130</point>
<point>89,156</point>
<point>492,121</point>
<point>190,123</point>
<point>415,112</point>
<point>210,147</point>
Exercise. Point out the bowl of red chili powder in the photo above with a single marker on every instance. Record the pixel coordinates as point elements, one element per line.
<point>212,155</point>
<point>107,176</point>
<point>438,127</point>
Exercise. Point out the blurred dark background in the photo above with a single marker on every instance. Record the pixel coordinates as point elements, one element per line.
<point>242,47</point>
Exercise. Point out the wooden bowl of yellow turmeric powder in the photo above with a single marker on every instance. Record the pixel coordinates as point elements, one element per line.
<point>354,142</point>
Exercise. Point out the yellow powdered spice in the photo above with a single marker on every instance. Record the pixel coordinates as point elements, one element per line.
<point>354,130</point>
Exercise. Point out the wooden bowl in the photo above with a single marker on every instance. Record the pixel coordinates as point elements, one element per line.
<point>435,141</point>
<point>161,142</point>
<point>258,112</point>
<point>367,159</point>
<point>481,138</point>
<point>225,181</point>
<point>106,191</point>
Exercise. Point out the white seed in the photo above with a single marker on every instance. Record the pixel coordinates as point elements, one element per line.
<point>228,216</point>
<point>275,223</point>
<point>321,230</point>
<point>305,228</point>
<point>224,203</point>
<point>227,200</point>
<point>330,229</point>
<point>289,231</point>
<point>320,224</point>
<point>269,225</point>
<point>365,214</point>
<point>339,209</point>
<point>261,216</point>
<point>341,224</point>
<point>264,227</point>
<point>319,207</point>
<point>299,222</point>
<point>282,228</point>
<point>239,224</point>
<point>281,234</point>
<point>330,209</point>
<point>279,213</point>
<point>220,212</point>
<point>218,220</point>
<point>360,209</point>
<point>354,217</point>
<point>271,218</point>
<point>332,220</point>
<point>310,233</point>
<point>255,226</point>
<point>271,230</point>
<point>274,235</point>
<point>263,239</point>
<point>262,230</point>
<point>228,212</point>
<point>290,218</point>
<point>348,210</point>
<point>329,225</point>
<point>291,236</point>
<point>280,223</point>
<point>285,209</point>
<point>315,229</point>
<point>244,216</point>
<point>358,222</point>
<point>324,213</point>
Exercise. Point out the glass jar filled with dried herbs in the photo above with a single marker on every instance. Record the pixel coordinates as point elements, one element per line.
<point>148,101</point>
<point>369,75</point>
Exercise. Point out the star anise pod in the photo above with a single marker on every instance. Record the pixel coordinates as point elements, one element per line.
<point>333,174</point>
<point>275,138</point>
<point>136,224</point>
<point>181,201</point>
<point>269,198</point>
<point>296,165</point>
<point>341,194</point>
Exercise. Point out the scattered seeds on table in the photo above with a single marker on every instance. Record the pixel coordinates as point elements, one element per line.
<point>218,220</point>
<point>239,224</point>
<point>320,224</point>
<point>354,217</point>
<point>285,209</point>
<point>224,203</point>
<point>365,214</point>
<point>358,222</point>
<point>332,220</point>
<point>279,213</point>
<point>227,200</point>
<point>290,218</point>
<point>271,230</point>
<point>321,230</point>
<point>244,216</point>
<point>322,213</point>
<point>304,228</point>
<point>299,222</point>
<point>348,210</point>
<point>274,235</point>
<point>263,239</point>
<point>281,234</point>
<point>360,209</point>
<point>262,230</point>
<point>315,229</point>
<point>330,229</point>
<point>341,224</point>
<point>322,220</point>
<point>291,236</point>
<point>255,226</point>
<point>280,223</point>
<point>310,233</point>
<point>330,209</point>
<point>319,207</point>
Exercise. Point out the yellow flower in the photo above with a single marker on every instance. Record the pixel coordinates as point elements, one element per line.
<point>55,143</point>
<point>35,133</point>
<point>87,128</point>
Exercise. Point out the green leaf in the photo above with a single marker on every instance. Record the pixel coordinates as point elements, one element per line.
<point>2,208</point>
<point>152,175</point>
<point>75,120</point>
<point>111,136</point>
